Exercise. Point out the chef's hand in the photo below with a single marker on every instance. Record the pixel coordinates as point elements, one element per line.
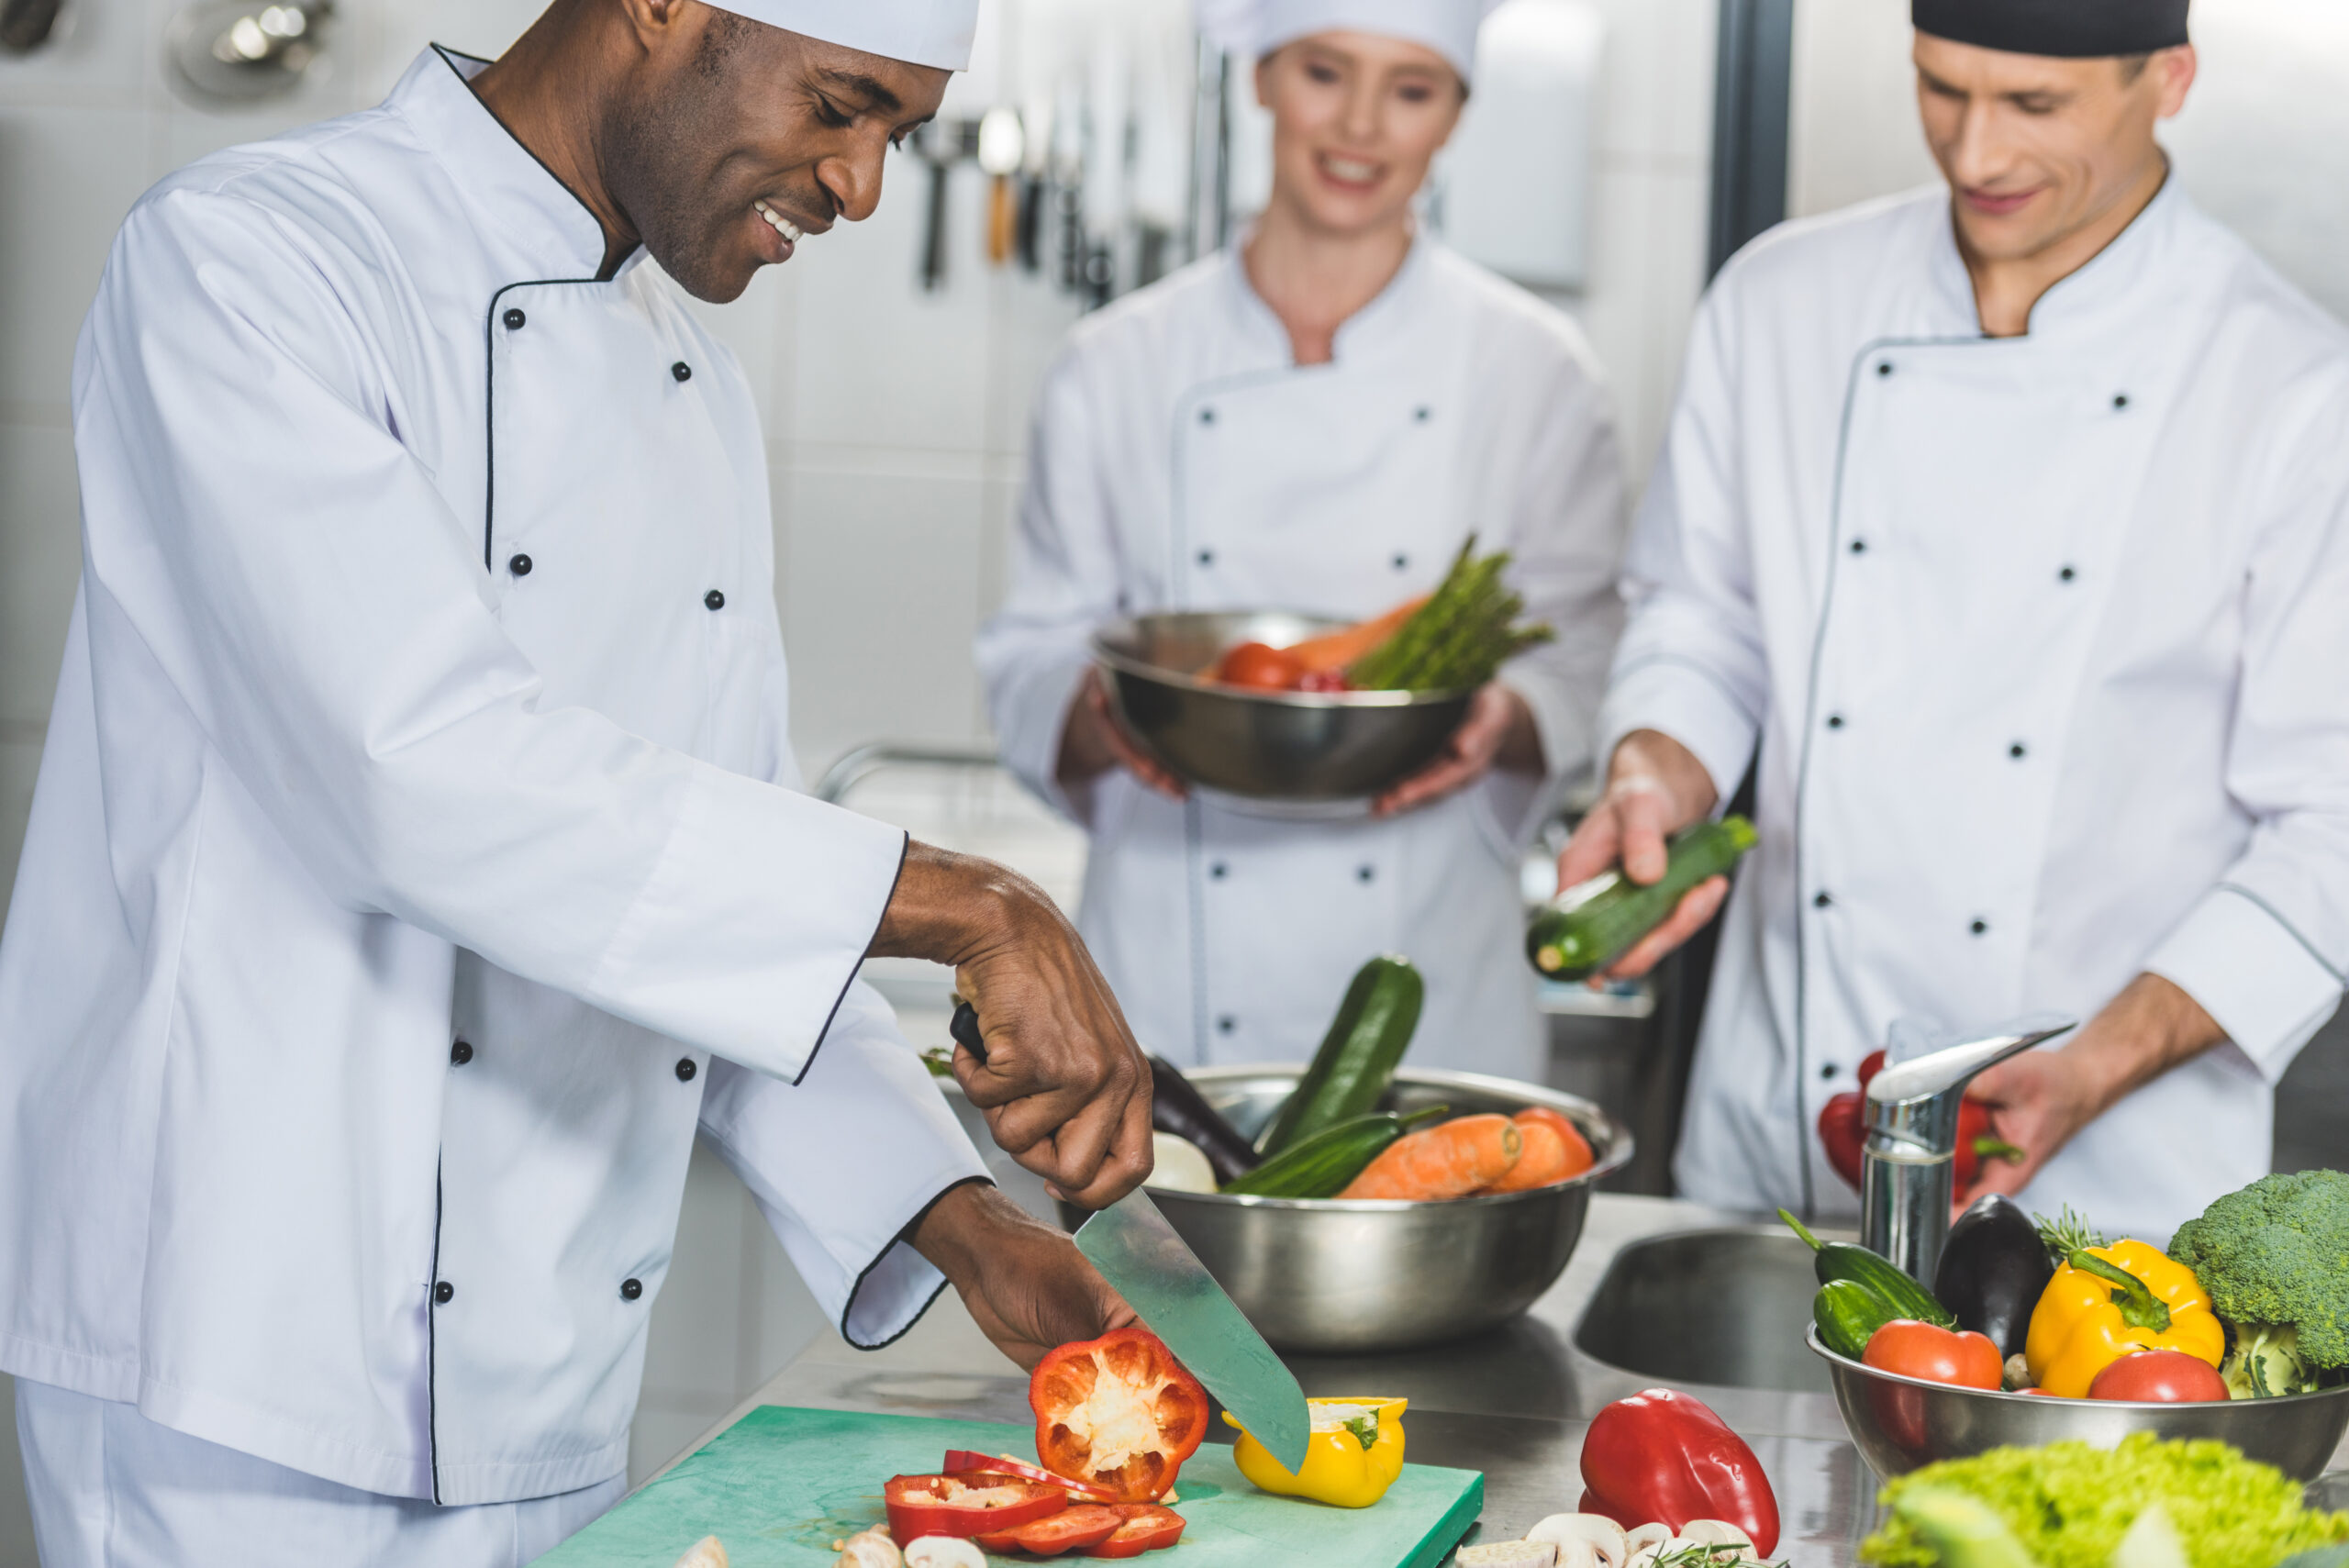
<point>1093,742</point>
<point>1064,1088</point>
<point>2039,1100</point>
<point>1025,1284</point>
<point>1498,733</point>
<point>1655,786</point>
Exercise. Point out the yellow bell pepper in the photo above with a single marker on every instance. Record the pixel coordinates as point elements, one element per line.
<point>1354,1454</point>
<point>2110,1302</point>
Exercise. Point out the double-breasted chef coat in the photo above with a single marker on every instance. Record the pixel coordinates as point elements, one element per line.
<point>1181,460</point>
<point>2043,641</point>
<point>415,862</point>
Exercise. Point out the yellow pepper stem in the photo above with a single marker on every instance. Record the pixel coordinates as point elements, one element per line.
<point>2139,1308</point>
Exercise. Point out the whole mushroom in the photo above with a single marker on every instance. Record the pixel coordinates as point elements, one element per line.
<point>706,1553</point>
<point>1585,1540</point>
<point>867,1548</point>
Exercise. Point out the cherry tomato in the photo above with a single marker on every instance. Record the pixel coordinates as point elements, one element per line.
<point>2170,1376</point>
<point>1260,668</point>
<point>1072,1530</point>
<point>1936,1354</point>
<point>966,1505</point>
<point>1147,1527</point>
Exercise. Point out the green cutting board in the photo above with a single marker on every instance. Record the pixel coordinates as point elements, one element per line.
<point>782,1483</point>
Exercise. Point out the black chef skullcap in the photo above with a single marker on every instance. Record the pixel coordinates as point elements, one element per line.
<point>2072,29</point>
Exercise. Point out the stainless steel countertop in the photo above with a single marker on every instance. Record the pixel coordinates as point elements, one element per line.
<point>1513,1404</point>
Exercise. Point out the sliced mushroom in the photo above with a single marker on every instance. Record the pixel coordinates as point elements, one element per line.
<point>1645,1544</point>
<point>1718,1532</point>
<point>1583,1540</point>
<point>706,1553</point>
<point>943,1552</point>
<point>1509,1555</point>
<point>867,1548</point>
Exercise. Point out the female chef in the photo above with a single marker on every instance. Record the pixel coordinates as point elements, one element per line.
<point>1316,421</point>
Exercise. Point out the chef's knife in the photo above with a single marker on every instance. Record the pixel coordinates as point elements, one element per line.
<point>1139,1255</point>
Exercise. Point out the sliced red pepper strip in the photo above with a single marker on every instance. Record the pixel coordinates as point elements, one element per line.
<point>1118,1412</point>
<point>1147,1527</point>
<point>959,1460</point>
<point>1073,1530</point>
<point>966,1505</point>
<point>1663,1458</point>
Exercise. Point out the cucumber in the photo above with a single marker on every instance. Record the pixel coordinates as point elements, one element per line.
<point>1848,1314</point>
<point>1835,1260</point>
<point>1350,1073</point>
<point>1321,1165</point>
<point>1591,925</point>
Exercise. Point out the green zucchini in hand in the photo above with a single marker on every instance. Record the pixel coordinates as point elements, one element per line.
<point>1833,1261</point>
<point>1848,1314</point>
<point>1592,924</point>
<point>1350,1073</point>
<point>1321,1165</point>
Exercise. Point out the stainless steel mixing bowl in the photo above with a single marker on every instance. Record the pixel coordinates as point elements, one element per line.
<point>1899,1423</point>
<point>1324,1274</point>
<point>1304,746</point>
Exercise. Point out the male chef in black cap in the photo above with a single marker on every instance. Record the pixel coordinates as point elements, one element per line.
<point>2001,527</point>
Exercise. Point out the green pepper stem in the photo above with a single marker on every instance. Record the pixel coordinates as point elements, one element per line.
<point>2139,1308</point>
<point>1988,1147</point>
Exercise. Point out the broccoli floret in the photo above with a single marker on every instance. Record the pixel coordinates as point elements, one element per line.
<point>2275,1256</point>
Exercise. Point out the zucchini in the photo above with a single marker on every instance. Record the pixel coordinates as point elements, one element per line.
<point>1835,1260</point>
<point>1592,924</point>
<point>1350,1073</point>
<point>1321,1165</point>
<point>1848,1314</point>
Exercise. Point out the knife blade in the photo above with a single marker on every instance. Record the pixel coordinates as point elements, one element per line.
<point>1154,1269</point>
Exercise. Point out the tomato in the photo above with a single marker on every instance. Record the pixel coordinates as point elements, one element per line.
<point>2168,1376</point>
<point>1073,1530</point>
<point>966,1505</point>
<point>1935,1354</point>
<point>959,1460</point>
<point>1324,681</point>
<point>1146,1528</point>
<point>1260,668</point>
<point>1118,1412</point>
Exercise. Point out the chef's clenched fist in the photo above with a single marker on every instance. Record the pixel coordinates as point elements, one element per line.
<point>1064,1088</point>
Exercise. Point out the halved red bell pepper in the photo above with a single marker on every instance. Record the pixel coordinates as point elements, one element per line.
<point>1087,1524</point>
<point>1663,1458</point>
<point>966,1505</point>
<point>1118,1412</point>
<point>1147,1527</point>
<point>1843,1130</point>
<point>960,1460</point>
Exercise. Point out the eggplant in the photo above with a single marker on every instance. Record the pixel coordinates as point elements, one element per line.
<point>1176,1108</point>
<point>1993,1269</point>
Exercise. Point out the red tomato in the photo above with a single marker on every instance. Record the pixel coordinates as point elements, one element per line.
<point>1073,1530</point>
<point>1260,667</point>
<point>959,1460</point>
<point>966,1505</point>
<point>2170,1376</point>
<point>1128,1377</point>
<point>1936,1354</point>
<point>1147,1527</point>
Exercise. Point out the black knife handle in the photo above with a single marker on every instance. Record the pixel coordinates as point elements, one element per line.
<point>966,1030</point>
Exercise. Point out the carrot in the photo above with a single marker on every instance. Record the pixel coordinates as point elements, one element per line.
<point>1543,1162</point>
<point>1578,1155</point>
<point>1333,651</point>
<point>1448,1160</point>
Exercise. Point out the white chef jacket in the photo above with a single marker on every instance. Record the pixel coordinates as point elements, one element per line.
<point>414,861</point>
<point>1181,460</point>
<point>2042,642</point>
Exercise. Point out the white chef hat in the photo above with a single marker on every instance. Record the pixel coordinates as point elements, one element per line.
<point>1259,27</point>
<point>920,32</point>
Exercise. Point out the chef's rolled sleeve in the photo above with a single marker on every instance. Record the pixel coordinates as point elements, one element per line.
<point>2257,977</point>
<point>328,623</point>
<point>843,1163</point>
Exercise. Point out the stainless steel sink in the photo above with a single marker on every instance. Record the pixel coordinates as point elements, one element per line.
<point>1726,1308</point>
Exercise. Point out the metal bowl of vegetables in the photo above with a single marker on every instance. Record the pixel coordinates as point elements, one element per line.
<point>1899,1423</point>
<point>1353,1275</point>
<point>1274,745</point>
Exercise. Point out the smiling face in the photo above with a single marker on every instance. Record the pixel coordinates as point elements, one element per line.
<point>735,140</point>
<point>2039,151</point>
<point>1356,119</point>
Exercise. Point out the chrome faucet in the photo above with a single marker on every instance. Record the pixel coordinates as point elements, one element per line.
<point>1905,1165</point>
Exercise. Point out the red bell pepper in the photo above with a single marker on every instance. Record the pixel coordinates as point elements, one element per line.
<point>1118,1412</point>
<point>1843,1128</point>
<point>967,1505</point>
<point>959,1460</point>
<point>1073,1530</point>
<point>1663,1458</point>
<point>1148,1528</point>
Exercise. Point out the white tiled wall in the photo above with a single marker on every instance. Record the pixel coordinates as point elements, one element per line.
<point>895,421</point>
